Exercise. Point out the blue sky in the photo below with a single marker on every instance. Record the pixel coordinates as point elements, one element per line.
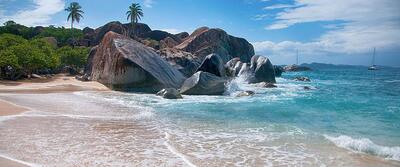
<point>339,32</point>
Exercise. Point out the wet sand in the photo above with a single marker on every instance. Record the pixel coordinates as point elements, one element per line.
<point>10,163</point>
<point>7,108</point>
<point>58,84</point>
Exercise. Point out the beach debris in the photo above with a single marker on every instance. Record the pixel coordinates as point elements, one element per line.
<point>266,85</point>
<point>203,83</point>
<point>304,79</point>
<point>169,93</point>
<point>245,93</point>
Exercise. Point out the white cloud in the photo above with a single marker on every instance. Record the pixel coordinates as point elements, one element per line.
<point>279,6</point>
<point>148,3</point>
<point>363,25</point>
<point>39,15</point>
<point>261,16</point>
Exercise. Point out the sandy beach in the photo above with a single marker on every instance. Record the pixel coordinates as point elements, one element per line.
<point>60,83</point>
<point>57,84</point>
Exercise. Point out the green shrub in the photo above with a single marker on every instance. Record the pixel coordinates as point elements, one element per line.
<point>75,57</point>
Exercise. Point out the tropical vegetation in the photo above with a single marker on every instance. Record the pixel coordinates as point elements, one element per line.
<point>134,14</point>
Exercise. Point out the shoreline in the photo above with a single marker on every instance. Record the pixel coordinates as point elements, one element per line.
<point>11,162</point>
<point>61,83</point>
<point>8,108</point>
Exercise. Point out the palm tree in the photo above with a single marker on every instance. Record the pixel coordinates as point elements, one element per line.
<point>134,14</point>
<point>75,14</point>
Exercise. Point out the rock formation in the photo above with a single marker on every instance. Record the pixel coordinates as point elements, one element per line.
<point>205,41</point>
<point>122,63</point>
<point>294,67</point>
<point>262,69</point>
<point>94,37</point>
<point>169,93</point>
<point>182,36</point>
<point>213,64</point>
<point>168,42</point>
<point>203,83</point>
<point>185,62</point>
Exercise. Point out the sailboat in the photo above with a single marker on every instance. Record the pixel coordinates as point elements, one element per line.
<point>373,67</point>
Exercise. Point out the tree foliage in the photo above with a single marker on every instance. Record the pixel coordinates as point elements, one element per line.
<point>63,35</point>
<point>74,57</point>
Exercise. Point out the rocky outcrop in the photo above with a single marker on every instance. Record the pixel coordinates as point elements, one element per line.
<point>233,67</point>
<point>214,65</point>
<point>137,29</point>
<point>94,37</point>
<point>169,93</point>
<point>203,83</point>
<point>182,36</point>
<point>159,35</point>
<point>185,62</point>
<point>262,69</point>
<point>205,41</point>
<point>294,67</point>
<point>168,43</point>
<point>122,63</point>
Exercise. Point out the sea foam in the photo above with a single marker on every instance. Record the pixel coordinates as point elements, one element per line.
<point>364,145</point>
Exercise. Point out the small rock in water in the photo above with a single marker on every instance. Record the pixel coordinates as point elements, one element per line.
<point>307,88</point>
<point>266,85</point>
<point>245,93</point>
<point>169,93</point>
<point>304,79</point>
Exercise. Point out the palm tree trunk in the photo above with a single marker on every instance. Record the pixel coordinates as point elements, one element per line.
<point>72,34</point>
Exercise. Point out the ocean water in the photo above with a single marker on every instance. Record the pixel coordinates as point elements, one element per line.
<point>350,117</point>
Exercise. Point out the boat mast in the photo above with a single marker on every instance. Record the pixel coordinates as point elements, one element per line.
<point>373,58</point>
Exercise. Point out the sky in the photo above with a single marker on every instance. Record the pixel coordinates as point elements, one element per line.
<point>325,31</point>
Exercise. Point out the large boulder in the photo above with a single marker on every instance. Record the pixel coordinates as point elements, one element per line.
<point>122,63</point>
<point>294,68</point>
<point>205,41</point>
<point>263,70</point>
<point>233,67</point>
<point>203,83</point>
<point>185,62</point>
<point>214,65</point>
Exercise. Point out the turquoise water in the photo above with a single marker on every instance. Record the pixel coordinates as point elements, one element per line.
<point>350,117</point>
<point>351,108</point>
